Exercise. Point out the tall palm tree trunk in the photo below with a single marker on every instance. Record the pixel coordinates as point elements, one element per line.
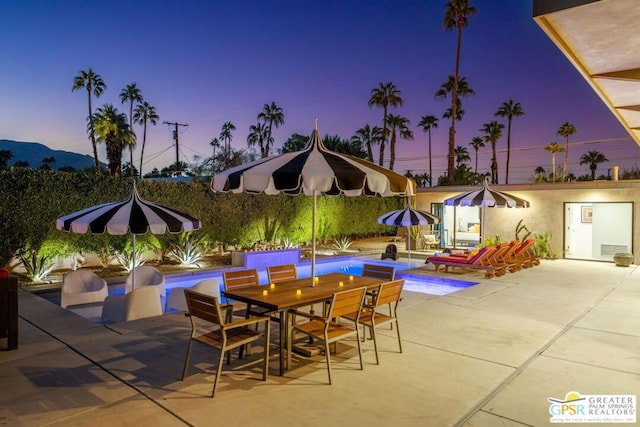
<point>506,179</point>
<point>566,159</point>
<point>384,137</point>
<point>392,150</point>
<point>369,151</point>
<point>96,163</point>
<point>454,111</point>
<point>144,140</point>
<point>430,170</point>
<point>131,146</point>
<point>495,159</point>
<point>476,168</point>
<point>553,165</point>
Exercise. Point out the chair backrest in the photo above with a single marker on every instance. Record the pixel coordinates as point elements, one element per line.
<point>391,249</point>
<point>379,271</point>
<point>142,302</point>
<point>204,307</point>
<point>240,279</point>
<point>388,293</point>
<point>346,302</point>
<point>145,275</point>
<point>282,273</point>
<point>177,301</point>
<point>82,281</point>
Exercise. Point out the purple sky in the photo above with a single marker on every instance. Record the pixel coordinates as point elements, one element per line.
<point>208,62</point>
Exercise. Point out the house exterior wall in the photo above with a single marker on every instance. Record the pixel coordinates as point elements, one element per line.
<point>547,206</point>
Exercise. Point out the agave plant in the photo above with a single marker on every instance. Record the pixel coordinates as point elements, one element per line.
<point>188,251</point>
<point>342,244</point>
<point>288,243</point>
<point>37,266</point>
<point>128,261</point>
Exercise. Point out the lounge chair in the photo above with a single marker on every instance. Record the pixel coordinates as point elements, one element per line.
<point>524,256</point>
<point>82,287</point>
<point>178,302</point>
<point>475,260</point>
<point>390,252</point>
<point>138,304</point>
<point>145,275</point>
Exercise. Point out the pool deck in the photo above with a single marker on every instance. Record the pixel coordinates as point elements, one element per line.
<point>489,355</point>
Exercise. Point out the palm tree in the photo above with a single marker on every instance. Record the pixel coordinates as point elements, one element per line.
<point>295,142</point>
<point>476,143</point>
<point>566,130</point>
<point>509,110</point>
<point>226,136</point>
<point>592,158</point>
<point>540,173</point>
<point>215,143</point>
<point>401,125</point>
<point>258,135</point>
<point>463,90</point>
<point>111,127</point>
<point>462,154</point>
<point>367,136</point>
<point>554,148</point>
<point>456,16</point>
<point>144,113</point>
<point>131,94</point>
<point>385,95</point>
<point>493,132</point>
<point>426,123</point>
<point>96,86</point>
<point>5,156</point>
<point>273,115</point>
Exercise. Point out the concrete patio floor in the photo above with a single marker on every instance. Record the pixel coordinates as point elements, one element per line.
<point>489,355</point>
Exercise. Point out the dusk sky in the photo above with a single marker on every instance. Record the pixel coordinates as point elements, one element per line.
<point>207,62</point>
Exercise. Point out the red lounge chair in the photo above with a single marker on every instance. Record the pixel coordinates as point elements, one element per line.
<point>474,261</point>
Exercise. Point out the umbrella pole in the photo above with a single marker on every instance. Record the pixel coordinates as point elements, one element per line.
<point>454,227</point>
<point>313,241</point>
<point>409,242</point>
<point>484,218</point>
<point>133,263</point>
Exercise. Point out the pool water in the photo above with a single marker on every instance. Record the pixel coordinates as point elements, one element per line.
<point>353,265</point>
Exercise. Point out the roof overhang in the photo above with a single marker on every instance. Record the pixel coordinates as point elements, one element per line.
<point>601,38</point>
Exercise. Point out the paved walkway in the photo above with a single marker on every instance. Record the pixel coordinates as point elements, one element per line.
<point>489,355</point>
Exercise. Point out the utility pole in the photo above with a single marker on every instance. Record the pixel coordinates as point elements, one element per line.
<point>175,137</point>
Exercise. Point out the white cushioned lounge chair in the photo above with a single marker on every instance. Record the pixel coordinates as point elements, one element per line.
<point>82,287</point>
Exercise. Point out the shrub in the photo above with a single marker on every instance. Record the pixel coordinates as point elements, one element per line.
<point>188,251</point>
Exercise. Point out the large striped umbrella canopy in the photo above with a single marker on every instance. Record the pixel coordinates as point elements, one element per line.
<point>406,218</point>
<point>134,216</point>
<point>312,171</point>
<point>486,197</point>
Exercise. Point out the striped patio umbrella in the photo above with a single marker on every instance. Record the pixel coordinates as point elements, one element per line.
<point>486,197</point>
<point>406,218</point>
<point>312,171</point>
<point>133,216</point>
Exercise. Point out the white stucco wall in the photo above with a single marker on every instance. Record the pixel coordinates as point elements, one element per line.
<point>547,206</point>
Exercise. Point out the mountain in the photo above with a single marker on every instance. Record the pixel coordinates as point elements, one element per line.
<point>34,152</point>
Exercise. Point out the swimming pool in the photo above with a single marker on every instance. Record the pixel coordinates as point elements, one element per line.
<point>347,264</point>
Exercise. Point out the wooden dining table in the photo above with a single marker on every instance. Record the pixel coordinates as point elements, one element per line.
<point>285,296</point>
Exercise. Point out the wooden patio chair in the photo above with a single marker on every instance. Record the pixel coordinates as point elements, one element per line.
<point>329,328</point>
<point>227,336</point>
<point>282,273</point>
<point>242,279</point>
<point>387,294</point>
<point>379,271</point>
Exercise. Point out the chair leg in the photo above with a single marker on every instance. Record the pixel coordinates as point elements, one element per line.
<point>398,331</point>
<point>218,371</point>
<point>360,348</point>
<point>187,360</point>
<point>267,340</point>
<point>372,330</point>
<point>328,356</point>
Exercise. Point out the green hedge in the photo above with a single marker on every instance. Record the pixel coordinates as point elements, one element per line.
<point>33,199</point>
